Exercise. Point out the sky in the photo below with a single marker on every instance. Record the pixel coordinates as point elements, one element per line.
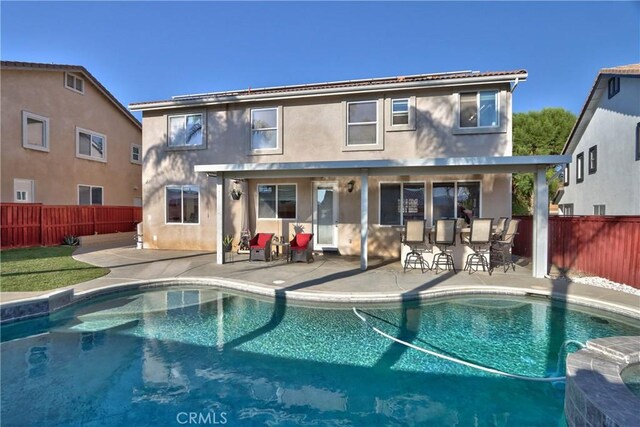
<point>145,51</point>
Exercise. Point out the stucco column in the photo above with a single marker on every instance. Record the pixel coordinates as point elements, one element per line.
<point>220,206</point>
<point>540,223</point>
<point>364,218</point>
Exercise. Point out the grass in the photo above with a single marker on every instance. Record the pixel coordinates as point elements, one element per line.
<point>42,269</point>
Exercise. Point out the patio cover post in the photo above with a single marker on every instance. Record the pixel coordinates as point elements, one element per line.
<point>220,206</point>
<point>364,218</point>
<point>540,223</point>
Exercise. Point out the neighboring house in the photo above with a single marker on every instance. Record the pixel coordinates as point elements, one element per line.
<point>603,177</point>
<point>65,139</point>
<point>349,161</point>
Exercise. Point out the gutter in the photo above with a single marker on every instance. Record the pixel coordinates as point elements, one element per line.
<point>215,100</point>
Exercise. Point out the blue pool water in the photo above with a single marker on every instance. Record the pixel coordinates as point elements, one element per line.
<point>203,356</point>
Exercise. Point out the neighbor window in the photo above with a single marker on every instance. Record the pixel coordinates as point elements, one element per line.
<point>399,112</point>
<point>566,174</point>
<point>264,129</point>
<point>277,201</point>
<point>449,198</point>
<point>23,190</point>
<point>182,204</point>
<point>73,82</point>
<point>479,109</point>
<point>567,209</point>
<point>35,131</point>
<point>613,86</point>
<point>90,195</point>
<point>593,159</point>
<point>136,153</point>
<point>598,210</point>
<point>362,123</point>
<point>185,130</point>
<point>91,145</point>
<point>580,167</point>
<point>400,202</point>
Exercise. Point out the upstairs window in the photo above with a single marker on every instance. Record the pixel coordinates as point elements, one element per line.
<point>566,174</point>
<point>479,109</point>
<point>136,154</point>
<point>580,167</point>
<point>613,86</point>
<point>91,145</point>
<point>185,130</point>
<point>277,201</point>
<point>264,129</point>
<point>182,204</point>
<point>399,112</point>
<point>593,159</point>
<point>362,123</point>
<point>35,131</point>
<point>73,82</point>
<point>90,195</point>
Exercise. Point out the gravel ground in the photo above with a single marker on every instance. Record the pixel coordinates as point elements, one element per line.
<point>604,283</point>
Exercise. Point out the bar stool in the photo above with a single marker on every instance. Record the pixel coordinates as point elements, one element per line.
<point>414,237</point>
<point>445,236</point>
<point>479,240</point>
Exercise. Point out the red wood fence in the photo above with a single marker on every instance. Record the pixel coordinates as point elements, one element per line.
<point>24,225</point>
<point>605,246</point>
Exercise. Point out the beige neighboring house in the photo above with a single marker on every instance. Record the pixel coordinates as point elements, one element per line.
<point>65,139</point>
<point>349,161</point>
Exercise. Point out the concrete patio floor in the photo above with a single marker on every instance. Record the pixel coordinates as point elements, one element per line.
<point>329,278</point>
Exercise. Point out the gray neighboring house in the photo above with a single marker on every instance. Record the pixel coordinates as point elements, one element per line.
<point>604,175</point>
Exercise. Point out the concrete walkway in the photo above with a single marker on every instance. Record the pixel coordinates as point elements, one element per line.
<point>328,278</point>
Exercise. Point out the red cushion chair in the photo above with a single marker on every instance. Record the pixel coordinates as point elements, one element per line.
<point>260,247</point>
<point>301,247</point>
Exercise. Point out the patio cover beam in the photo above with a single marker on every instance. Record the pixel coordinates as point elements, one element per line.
<point>540,224</point>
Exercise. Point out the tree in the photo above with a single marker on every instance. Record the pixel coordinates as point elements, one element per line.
<point>538,133</point>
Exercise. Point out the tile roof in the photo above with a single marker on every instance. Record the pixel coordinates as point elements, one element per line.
<point>341,84</point>
<point>73,68</point>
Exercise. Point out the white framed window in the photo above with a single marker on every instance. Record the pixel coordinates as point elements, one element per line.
<point>399,112</point>
<point>567,171</point>
<point>580,167</point>
<point>277,201</point>
<point>401,201</point>
<point>23,190</point>
<point>185,130</point>
<point>566,209</point>
<point>264,129</point>
<point>362,123</point>
<point>182,204</point>
<point>599,210</point>
<point>35,131</point>
<point>479,109</point>
<point>456,199</point>
<point>91,145</point>
<point>136,154</point>
<point>74,82</point>
<point>90,195</point>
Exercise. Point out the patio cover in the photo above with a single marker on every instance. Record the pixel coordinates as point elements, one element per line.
<point>366,168</point>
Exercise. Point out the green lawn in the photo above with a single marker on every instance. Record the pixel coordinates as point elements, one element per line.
<point>41,269</point>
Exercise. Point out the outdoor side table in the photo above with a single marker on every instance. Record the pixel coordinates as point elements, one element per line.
<point>282,249</point>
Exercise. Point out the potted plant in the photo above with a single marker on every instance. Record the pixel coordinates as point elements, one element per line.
<point>236,193</point>
<point>227,242</point>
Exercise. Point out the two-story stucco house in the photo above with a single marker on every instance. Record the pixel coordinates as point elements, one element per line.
<point>66,140</point>
<point>349,161</point>
<point>604,175</point>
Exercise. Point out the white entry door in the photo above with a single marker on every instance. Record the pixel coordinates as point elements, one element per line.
<point>325,215</point>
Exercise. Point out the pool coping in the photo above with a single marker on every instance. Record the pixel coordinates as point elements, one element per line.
<point>42,305</point>
<point>595,392</point>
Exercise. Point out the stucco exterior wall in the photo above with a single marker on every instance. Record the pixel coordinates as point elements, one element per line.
<point>58,172</point>
<point>314,130</point>
<point>616,182</point>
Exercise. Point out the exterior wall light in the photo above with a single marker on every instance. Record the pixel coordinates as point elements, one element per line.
<point>350,185</point>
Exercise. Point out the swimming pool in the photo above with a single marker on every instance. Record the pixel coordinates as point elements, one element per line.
<point>204,356</point>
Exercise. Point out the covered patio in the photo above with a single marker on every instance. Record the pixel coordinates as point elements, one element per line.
<point>379,168</point>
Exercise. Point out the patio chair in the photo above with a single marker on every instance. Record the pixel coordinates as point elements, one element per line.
<point>501,249</point>
<point>500,228</point>
<point>260,247</point>
<point>445,236</point>
<point>479,240</point>
<point>414,236</point>
<point>301,248</point>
